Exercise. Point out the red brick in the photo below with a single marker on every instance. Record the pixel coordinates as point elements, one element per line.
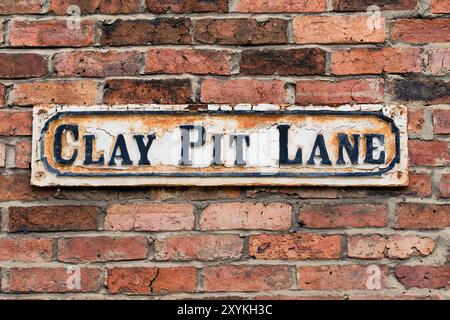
<point>440,6</point>
<point>16,187</point>
<point>22,65</point>
<point>168,91</point>
<point>53,280</point>
<point>149,217</point>
<point>444,186</point>
<point>241,31</point>
<point>246,215</point>
<point>59,7</point>
<point>94,249</point>
<point>403,247</point>
<point>423,216</point>
<point>53,218</point>
<point>324,92</point>
<point>20,6</point>
<point>15,123</point>
<point>423,276</point>
<point>337,29</point>
<point>25,249</point>
<point>428,153</point>
<point>2,155</point>
<point>366,247</point>
<point>186,6</point>
<point>340,277</point>
<point>415,121</point>
<point>343,216</point>
<point>2,95</point>
<point>281,6</point>
<point>375,61</point>
<point>246,278</point>
<point>439,61</point>
<point>23,154</point>
<point>236,91</point>
<point>299,246</point>
<point>394,247</point>
<point>143,32</point>
<point>97,63</point>
<point>50,33</point>
<point>421,30</point>
<point>80,92</point>
<point>195,61</point>
<point>283,62</point>
<point>362,5</point>
<point>199,247</point>
<point>146,280</point>
<point>441,121</point>
<point>419,185</point>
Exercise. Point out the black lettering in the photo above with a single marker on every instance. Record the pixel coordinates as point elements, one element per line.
<point>370,148</point>
<point>352,151</point>
<point>88,160</point>
<point>144,148</point>
<point>323,153</point>
<point>57,143</point>
<point>284,152</point>
<point>122,147</point>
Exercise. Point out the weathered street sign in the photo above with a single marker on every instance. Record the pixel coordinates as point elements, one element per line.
<point>221,145</point>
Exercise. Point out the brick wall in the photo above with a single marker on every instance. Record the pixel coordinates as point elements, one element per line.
<point>213,242</point>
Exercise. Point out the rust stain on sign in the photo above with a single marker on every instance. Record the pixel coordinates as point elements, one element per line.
<point>133,145</point>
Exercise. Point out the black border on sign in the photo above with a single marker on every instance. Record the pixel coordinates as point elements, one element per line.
<point>378,114</point>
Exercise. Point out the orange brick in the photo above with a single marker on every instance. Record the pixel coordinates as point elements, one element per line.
<point>338,29</point>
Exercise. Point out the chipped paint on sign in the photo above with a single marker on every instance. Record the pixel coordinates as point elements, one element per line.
<point>222,145</point>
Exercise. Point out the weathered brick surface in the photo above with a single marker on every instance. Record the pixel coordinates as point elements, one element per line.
<point>195,61</point>
<point>236,215</point>
<point>52,218</point>
<point>340,277</point>
<point>83,92</point>
<point>262,6</point>
<point>186,6</point>
<point>246,278</point>
<point>20,6</point>
<point>375,61</point>
<point>97,64</point>
<point>241,31</point>
<point>143,32</point>
<point>320,92</point>
<point>23,154</point>
<point>439,61</point>
<point>295,246</point>
<point>199,247</point>
<point>26,250</point>
<point>151,280</point>
<point>337,29</point>
<point>53,280</point>
<point>248,242</point>
<point>22,65</point>
<point>126,91</point>
<point>149,217</point>
<point>342,216</point>
<point>362,5</point>
<point>423,276</point>
<point>60,7</point>
<point>294,62</point>
<point>440,6</point>
<point>423,216</point>
<point>421,31</point>
<point>50,33</point>
<point>421,89</point>
<point>88,249</point>
<point>242,91</point>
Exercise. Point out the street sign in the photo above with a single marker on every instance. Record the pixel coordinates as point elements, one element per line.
<point>217,145</point>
